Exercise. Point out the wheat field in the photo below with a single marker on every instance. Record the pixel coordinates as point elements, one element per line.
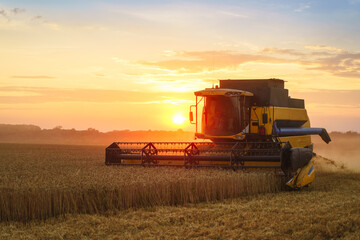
<point>42,181</point>
<point>66,192</point>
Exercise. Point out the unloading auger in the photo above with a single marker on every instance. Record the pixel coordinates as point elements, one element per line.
<point>244,124</point>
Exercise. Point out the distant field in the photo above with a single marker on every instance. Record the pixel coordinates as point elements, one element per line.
<point>42,181</point>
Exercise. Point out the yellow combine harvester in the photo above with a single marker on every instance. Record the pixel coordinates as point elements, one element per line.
<point>251,124</point>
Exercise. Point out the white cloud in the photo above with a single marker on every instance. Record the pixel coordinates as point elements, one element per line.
<point>232,14</point>
<point>302,8</point>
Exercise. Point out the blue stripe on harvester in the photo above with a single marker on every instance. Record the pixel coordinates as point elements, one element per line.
<point>311,169</point>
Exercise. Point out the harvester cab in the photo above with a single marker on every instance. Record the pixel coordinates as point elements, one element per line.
<point>245,124</point>
<point>225,114</point>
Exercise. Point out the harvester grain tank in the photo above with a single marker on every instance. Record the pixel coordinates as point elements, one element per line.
<point>246,124</point>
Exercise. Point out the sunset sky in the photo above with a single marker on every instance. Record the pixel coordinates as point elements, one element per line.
<point>135,64</point>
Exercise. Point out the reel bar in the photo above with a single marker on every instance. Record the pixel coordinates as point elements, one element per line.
<point>201,150</point>
<point>202,165</point>
<point>209,158</point>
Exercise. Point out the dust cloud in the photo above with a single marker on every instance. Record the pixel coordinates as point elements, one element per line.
<point>343,152</point>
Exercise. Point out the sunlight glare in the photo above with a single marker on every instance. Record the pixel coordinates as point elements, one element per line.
<point>178,119</point>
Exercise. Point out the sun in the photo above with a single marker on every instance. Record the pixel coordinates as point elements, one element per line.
<point>178,119</point>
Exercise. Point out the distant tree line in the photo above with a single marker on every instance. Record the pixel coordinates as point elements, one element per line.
<point>34,134</point>
<point>58,135</point>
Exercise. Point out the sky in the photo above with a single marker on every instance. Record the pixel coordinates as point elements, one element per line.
<point>135,64</point>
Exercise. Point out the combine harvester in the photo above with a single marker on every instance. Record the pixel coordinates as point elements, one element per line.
<point>252,124</point>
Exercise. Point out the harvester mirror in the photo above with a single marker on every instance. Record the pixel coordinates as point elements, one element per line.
<point>265,118</point>
<point>191,116</point>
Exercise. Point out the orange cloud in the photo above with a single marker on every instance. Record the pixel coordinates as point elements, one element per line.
<point>323,47</point>
<point>283,51</point>
<point>342,64</point>
<point>199,61</point>
<point>30,95</point>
